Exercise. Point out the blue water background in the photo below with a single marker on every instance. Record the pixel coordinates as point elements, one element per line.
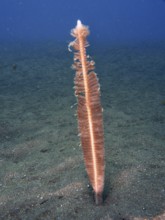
<point>110,20</point>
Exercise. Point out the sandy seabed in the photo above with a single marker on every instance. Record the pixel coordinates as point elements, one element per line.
<point>42,174</point>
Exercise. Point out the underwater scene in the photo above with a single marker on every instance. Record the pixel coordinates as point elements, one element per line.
<point>48,169</point>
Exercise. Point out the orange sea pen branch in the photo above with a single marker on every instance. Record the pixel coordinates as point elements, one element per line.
<point>90,122</point>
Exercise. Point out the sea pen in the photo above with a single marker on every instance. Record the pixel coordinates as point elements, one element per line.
<point>89,111</point>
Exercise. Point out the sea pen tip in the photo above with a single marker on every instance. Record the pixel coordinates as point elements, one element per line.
<point>79,24</point>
